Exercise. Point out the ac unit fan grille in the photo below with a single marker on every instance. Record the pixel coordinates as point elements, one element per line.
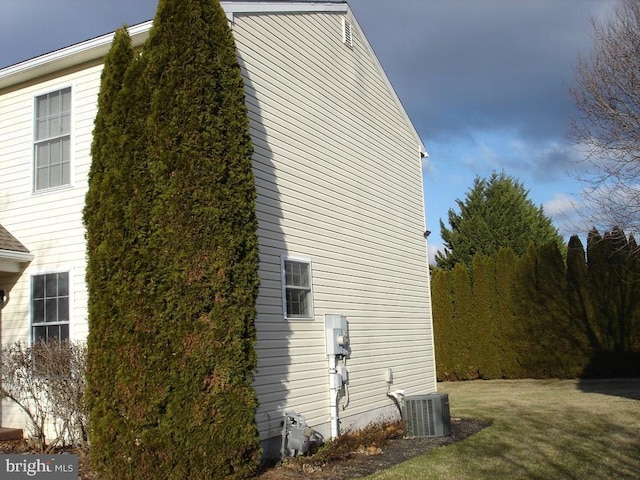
<point>427,415</point>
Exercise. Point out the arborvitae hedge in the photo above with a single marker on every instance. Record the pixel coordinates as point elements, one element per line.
<point>539,316</point>
<point>443,318</point>
<point>181,403</point>
<point>465,362</point>
<point>505,316</point>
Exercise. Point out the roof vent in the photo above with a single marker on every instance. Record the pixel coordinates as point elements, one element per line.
<point>347,33</point>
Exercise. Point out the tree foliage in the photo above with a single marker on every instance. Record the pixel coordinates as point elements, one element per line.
<point>539,316</point>
<point>173,245</point>
<point>496,213</point>
<point>607,123</point>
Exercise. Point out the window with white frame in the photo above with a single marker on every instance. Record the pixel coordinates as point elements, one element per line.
<point>297,295</point>
<point>52,140</point>
<point>50,306</point>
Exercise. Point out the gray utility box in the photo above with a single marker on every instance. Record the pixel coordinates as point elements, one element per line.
<point>426,415</point>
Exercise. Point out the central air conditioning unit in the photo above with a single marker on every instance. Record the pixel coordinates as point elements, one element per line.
<point>426,415</point>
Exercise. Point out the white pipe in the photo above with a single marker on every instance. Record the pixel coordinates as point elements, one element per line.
<point>333,395</point>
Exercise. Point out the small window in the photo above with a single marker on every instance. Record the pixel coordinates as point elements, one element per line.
<point>52,140</point>
<point>296,284</point>
<point>50,307</point>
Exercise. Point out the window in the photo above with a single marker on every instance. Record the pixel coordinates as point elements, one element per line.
<point>296,284</point>
<point>50,306</point>
<point>52,140</point>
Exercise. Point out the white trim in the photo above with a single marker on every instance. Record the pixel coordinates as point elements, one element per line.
<point>96,48</point>
<point>15,256</point>
<point>284,258</point>
<point>11,261</point>
<point>86,51</point>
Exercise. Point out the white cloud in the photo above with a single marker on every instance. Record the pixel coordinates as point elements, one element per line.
<point>565,211</point>
<point>560,204</point>
<point>433,250</point>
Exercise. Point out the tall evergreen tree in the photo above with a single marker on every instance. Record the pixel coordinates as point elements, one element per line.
<point>183,402</point>
<point>495,213</point>
<point>104,217</point>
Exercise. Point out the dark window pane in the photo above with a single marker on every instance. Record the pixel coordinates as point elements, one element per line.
<point>37,311</point>
<point>63,310</point>
<point>38,286</point>
<point>64,331</point>
<point>63,284</point>
<point>51,310</point>
<point>53,331</point>
<point>51,285</point>
<point>39,334</point>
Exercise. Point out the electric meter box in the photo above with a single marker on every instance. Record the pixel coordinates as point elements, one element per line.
<point>337,334</point>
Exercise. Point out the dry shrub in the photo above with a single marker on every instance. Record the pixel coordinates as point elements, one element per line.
<point>368,440</point>
<point>47,382</point>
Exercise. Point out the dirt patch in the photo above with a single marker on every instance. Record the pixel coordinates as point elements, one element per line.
<point>369,461</point>
<point>357,464</point>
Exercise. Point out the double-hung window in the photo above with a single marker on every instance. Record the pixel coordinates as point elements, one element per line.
<point>52,140</point>
<point>297,294</point>
<point>50,307</point>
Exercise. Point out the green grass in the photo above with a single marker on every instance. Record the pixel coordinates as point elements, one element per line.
<point>542,429</point>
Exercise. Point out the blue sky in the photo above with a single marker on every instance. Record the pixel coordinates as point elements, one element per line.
<point>485,82</point>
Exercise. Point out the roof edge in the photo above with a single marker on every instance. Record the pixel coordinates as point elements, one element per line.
<point>97,47</point>
<point>14,256</point>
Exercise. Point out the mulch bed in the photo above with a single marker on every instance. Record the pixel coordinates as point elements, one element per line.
<point>363,464</point>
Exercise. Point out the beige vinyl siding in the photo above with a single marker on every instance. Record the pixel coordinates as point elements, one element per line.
<point>339,180</point>
<point>48,223</point>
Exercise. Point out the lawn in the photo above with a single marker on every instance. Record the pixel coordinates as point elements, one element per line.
<point>542,429</point>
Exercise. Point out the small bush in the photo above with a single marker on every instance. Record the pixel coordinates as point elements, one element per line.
<point>47,382</point>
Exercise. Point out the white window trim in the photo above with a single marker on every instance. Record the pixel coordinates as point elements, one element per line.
<point>34,190</point>
<point>283,259</point>
<point>69,271</point>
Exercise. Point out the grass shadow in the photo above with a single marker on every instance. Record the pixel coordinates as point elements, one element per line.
<point>617,387</point>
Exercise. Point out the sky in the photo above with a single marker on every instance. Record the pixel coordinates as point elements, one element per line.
<point>485,82</point>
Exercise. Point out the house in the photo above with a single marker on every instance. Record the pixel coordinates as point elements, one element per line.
<point>340,206</point>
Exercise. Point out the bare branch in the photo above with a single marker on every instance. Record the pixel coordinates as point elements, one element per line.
<point>607,125</point>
